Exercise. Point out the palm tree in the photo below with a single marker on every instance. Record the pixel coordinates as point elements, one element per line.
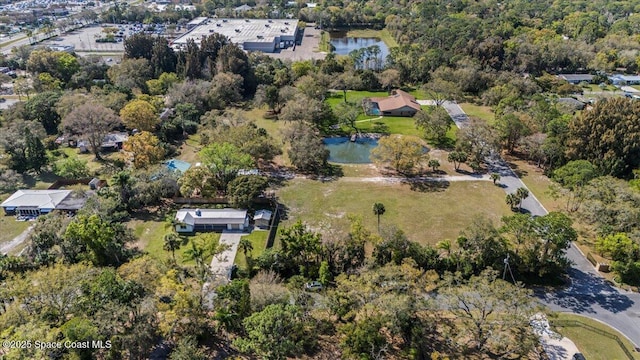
<point>512,200</point>
<point>522,193</point>
<point>246,246</point>
<point>495,177</point>
<point>445,245</point>
<point>171,243</point>
<point>197,254</point>
<point>378,210</point>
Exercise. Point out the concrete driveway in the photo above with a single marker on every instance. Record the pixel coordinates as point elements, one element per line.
<point>588,293</point>
<point>222,264</point>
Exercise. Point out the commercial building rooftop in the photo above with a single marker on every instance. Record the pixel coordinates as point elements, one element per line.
<point>241,31</point>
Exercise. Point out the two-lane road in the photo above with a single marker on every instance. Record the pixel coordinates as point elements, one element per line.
<point>588,293</point>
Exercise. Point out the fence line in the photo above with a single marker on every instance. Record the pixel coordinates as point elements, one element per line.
<point>273,227</point>
<point>596,330</point>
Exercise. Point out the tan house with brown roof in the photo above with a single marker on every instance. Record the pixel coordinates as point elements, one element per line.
<point>399,103</point>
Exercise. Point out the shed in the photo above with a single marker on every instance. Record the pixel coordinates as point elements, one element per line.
<point>262,218</point>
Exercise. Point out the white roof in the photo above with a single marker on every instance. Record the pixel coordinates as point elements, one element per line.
<point>240,31</point>
<point>211,216</point>
<point>40,199</point>
<point>262,214</point>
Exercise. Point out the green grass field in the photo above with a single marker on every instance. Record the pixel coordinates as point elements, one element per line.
<point>258,239</point>
<point>426,216</point>
<point>479,111</point>
<point>392,124</point>
<point>593,345</point>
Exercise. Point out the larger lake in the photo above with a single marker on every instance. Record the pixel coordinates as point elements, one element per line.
<point>344,45</point>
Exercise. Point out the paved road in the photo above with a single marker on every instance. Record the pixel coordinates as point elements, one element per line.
<point>588,293</point>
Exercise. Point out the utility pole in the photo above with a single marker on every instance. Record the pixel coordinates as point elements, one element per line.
<point>507,267</point>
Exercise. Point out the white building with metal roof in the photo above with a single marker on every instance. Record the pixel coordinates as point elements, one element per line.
<point>38,202</point>
<point>191,220</point>
<point>265,35</point>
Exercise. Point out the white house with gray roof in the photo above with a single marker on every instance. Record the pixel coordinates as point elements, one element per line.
<point>38,202</point>
<point>192,220</point>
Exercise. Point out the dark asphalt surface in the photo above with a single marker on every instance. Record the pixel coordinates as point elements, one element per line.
<point>588,293</point>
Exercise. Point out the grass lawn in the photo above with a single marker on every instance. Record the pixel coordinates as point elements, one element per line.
<point>354,97</point>
<point>189,149</point>
<point>591,344</point>
<point>150,234</point>
<point>426,216</point>
<point>597,88</point>
<point>11,228</point>
<point>273,127</point>
<point>392,124</point>
<point>383,35</point>
<point>479,111</point>
<point>259,240</point>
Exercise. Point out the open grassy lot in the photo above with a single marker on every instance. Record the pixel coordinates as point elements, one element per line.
<point>479,111</point>
<point>383,35</point>
<point>427,215</point>
<point>592,345</point>
<point>258,239</point>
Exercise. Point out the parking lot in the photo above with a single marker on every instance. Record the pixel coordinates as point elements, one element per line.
<point>84,40</point>
<point>308,50</point>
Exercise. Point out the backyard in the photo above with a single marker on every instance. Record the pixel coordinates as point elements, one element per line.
<point>429,213</point>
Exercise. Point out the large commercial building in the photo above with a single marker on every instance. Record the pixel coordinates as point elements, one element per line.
<point>265,35</point>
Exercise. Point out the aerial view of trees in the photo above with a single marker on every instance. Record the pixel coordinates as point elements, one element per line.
<point>329,283</point>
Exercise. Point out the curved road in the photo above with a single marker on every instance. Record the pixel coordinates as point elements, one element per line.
<point>588,293</point>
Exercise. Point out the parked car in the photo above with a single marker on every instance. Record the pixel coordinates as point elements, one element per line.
<point>313,286</point>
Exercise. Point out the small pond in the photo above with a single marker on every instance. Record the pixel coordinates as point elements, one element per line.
<point>344,151</point>
<point>343,45</point>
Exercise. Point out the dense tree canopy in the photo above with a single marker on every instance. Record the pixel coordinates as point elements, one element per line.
<point>607,136</point>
